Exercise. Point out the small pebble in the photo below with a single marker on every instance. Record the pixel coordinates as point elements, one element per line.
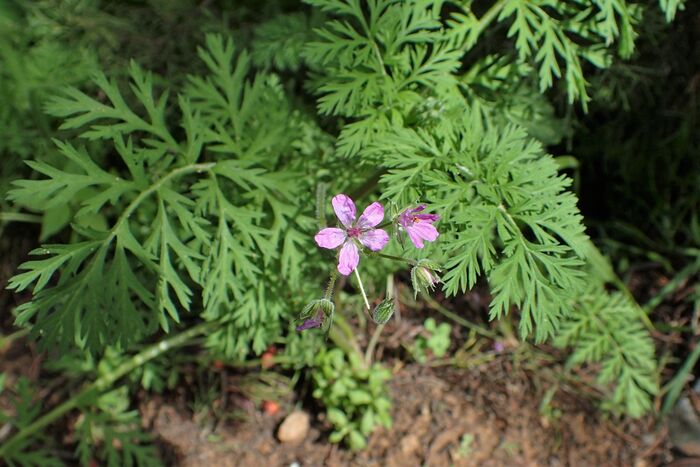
<point>294,428</point>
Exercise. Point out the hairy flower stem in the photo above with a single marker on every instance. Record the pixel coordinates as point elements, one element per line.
<point>331,285</point>
<point>104,382</point>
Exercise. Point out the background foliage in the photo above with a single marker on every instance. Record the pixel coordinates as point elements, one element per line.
<point>177,186</point>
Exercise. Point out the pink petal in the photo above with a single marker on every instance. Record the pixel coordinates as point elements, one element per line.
<point>349,257</point>
<point>427,217</point>
<point>374,239</point>
<point>371,216</point>
<point>415,238</point>
<point>420,231</point>
<point>426,230</point>
<point>345,209</point>
<point>330,238</point>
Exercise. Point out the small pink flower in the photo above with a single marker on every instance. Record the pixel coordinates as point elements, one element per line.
<point>354,233</point>
<point>419,227</point>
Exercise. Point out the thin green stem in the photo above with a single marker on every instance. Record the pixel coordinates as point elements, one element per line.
<point>362,289</point>
<point>7,340</point>
<point>483,23</point>
<point>343,336</point>
<point>152,189</point>
<point>373,343</point>
<point>369,352</point>
<point>395,258</point>
<point>675,386</point>
<point>20,217</point>
<point>104,382</point>
<point>435,305</point>
<point>672,286</point>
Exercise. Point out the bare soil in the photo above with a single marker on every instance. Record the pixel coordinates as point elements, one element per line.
<point>491,415</point>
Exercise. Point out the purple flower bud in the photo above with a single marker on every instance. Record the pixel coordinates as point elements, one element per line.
<point>322,307</point>
<point>310,324</point>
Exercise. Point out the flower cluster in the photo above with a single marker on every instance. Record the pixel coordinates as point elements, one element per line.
<point>353,234</point>
<point>364,232</point>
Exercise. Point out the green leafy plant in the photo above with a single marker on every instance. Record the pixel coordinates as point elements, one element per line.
<point>354,395</point>
<point>27,407</point>
<point>605,329</point>
<point>175,223</point>
<point>437,341</point>
<point>111,433</point>
<point>188,205</point>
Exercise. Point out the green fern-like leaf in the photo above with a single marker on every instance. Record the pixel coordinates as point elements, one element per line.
<point>605,328</point>
<point>373,63</point>
<point>506,213</point>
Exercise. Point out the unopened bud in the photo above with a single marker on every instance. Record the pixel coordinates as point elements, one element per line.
<point>424,277</point>
<point>384,311</point>
<point>314,313</point>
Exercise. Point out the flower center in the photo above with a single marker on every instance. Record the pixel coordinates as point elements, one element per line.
<point>354,232</point>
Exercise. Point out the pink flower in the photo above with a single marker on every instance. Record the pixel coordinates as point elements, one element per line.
<point>419,227</point>
<point>354,233</point>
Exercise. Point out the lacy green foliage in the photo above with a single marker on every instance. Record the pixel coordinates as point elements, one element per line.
<point>355,396</point>
<point>35,450</point>
<point>671,7</point>
<point>198,199</point>
<point>374,63</point>
<point>505,93</point>
<point>186,210</point>
<point>36,42</point>
<point>605,329</point>
<point>280,42</point>
<point>506,213</point>
<point>110,433</point>
<point>554,37</point>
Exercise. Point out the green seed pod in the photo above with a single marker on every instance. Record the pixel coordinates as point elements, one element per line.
<point>384,311</point>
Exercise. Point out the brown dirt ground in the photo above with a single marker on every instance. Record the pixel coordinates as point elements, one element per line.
<point>495,408</point>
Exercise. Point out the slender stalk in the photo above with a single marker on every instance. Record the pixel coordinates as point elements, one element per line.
<point>343,337</point>
<point>20,217</point>
<point>395,258</point>
<point>675,386</point>
<point>369,352</point>
<point>373,343</point>
<point>362,289</point>
<point>152,189</point>
<point>458,319</point>
<point>7,340</point>
<point>104,382</point>
<point>483,23</point>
